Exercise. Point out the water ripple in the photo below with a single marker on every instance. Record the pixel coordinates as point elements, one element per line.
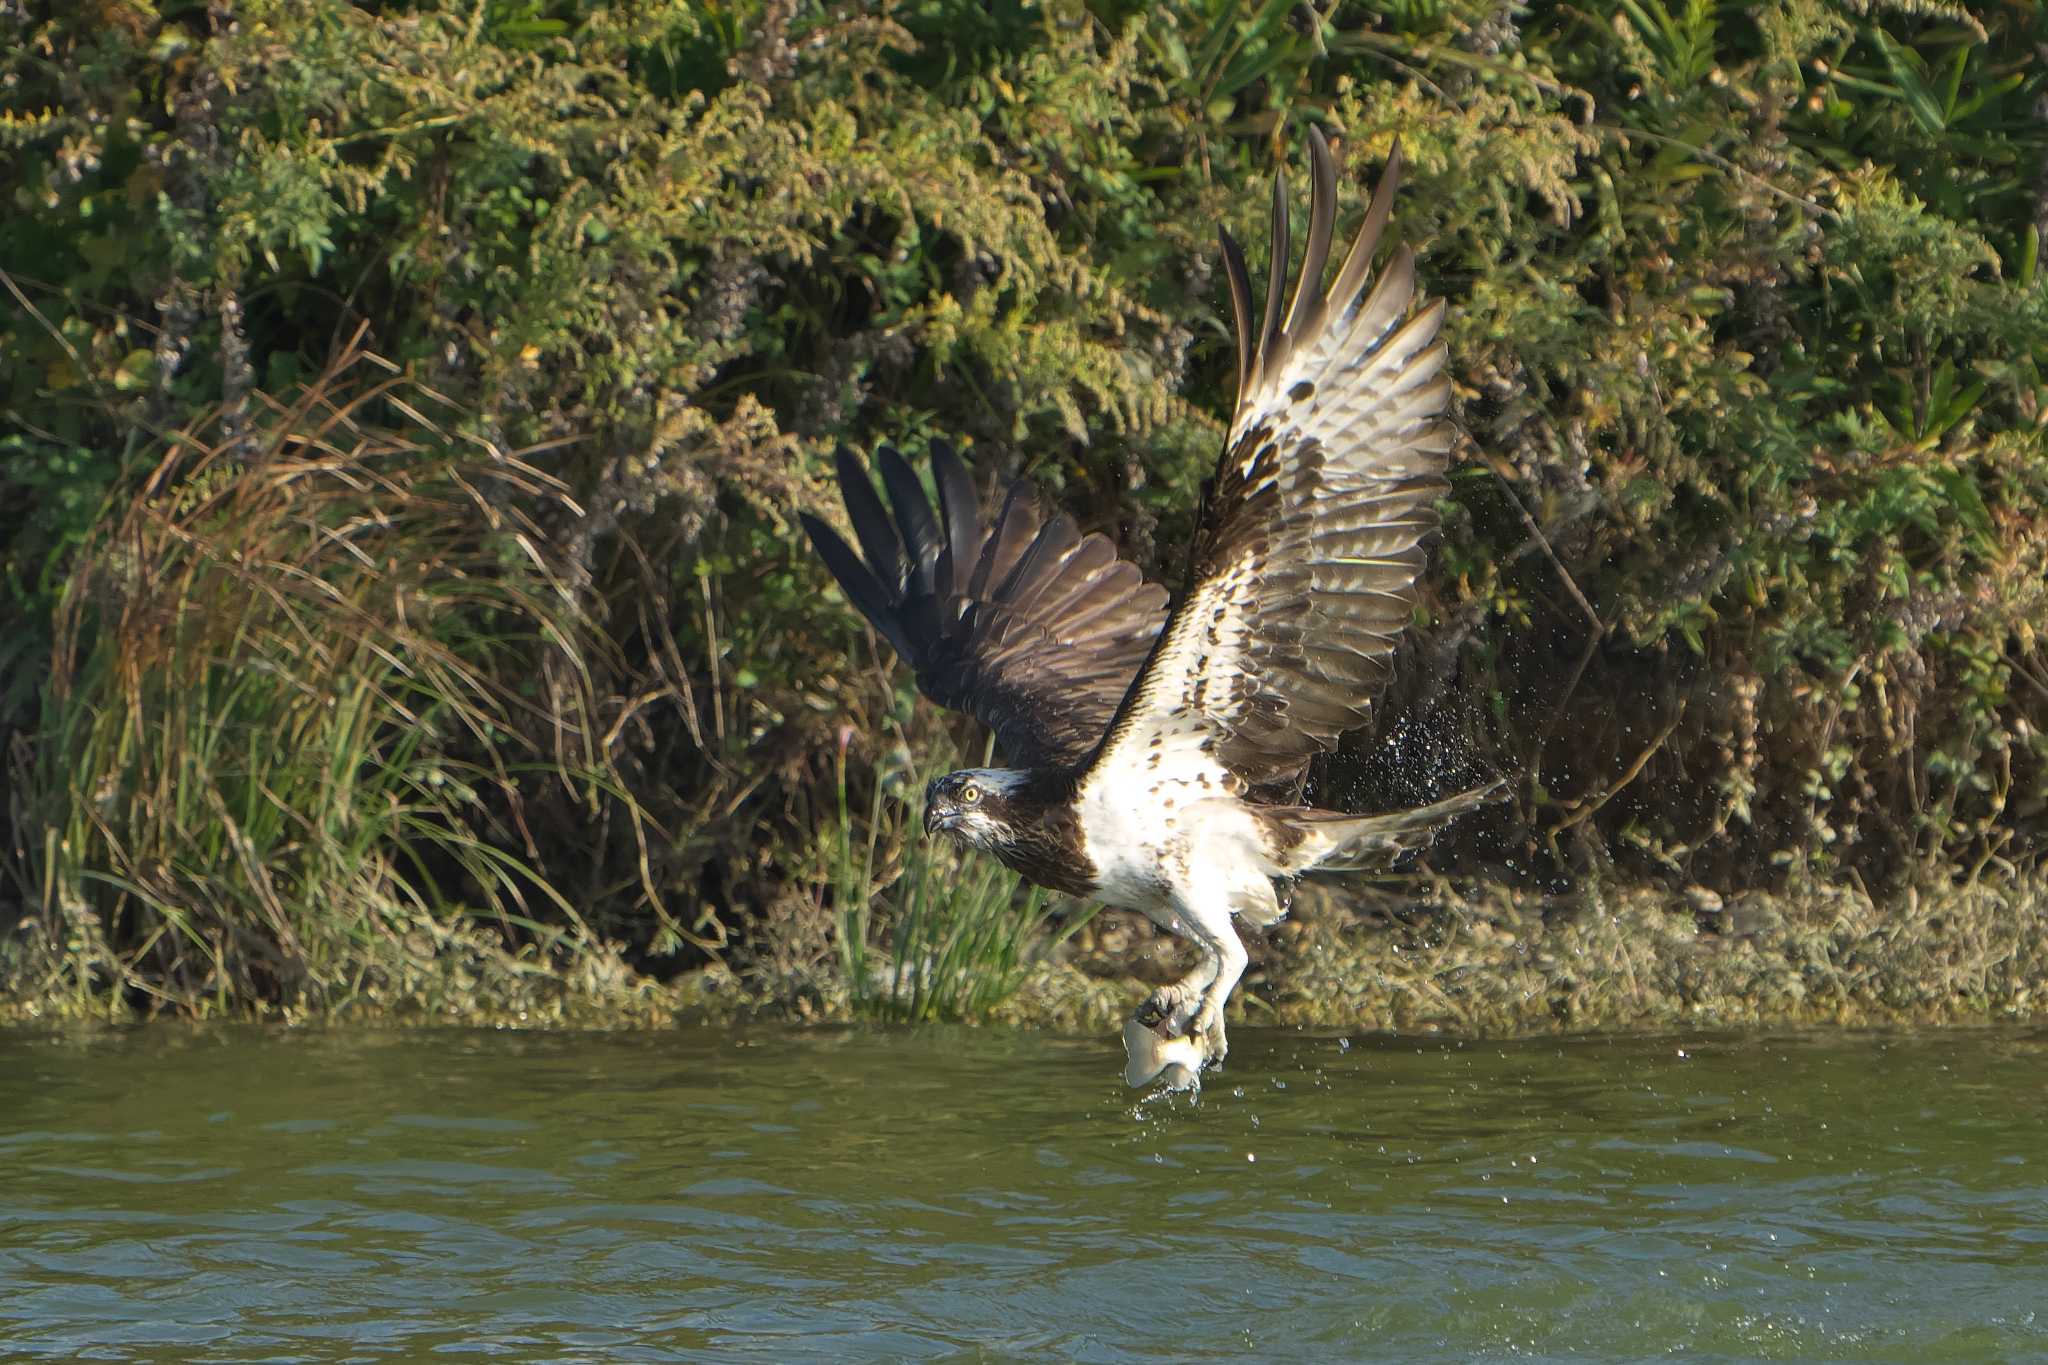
<point>865,1194</point>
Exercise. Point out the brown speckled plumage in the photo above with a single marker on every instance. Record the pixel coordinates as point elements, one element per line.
<point>1154,752</point>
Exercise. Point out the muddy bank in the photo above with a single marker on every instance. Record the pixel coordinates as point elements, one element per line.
<point>1486,963</point>
<point>1466,960</point>
<point>1634,959</point>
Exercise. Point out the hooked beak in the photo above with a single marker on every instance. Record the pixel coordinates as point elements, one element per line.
<point>937,821</point>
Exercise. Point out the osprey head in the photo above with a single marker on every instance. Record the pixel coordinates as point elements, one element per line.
<point>972,805</point>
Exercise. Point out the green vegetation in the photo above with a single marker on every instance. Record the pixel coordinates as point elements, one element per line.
<point>962,928</point>
<point>403,409</point>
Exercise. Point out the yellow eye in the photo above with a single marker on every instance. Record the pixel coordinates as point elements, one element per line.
<point>969,794</point>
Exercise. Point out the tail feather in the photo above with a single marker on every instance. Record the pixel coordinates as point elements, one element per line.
<point>1328,841</point>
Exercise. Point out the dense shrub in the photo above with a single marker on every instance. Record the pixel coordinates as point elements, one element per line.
<point>1745,554</point>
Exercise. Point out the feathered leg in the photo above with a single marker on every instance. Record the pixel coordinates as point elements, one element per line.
<point>1194,1004</point>
<point>1208,1021</point>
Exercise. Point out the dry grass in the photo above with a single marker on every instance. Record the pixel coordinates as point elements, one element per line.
<point>304,687</point>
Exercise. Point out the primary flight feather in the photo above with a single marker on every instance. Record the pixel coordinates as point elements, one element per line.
<point>1149,746</point>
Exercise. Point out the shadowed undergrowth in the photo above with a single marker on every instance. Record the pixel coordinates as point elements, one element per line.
<point>351,695</point>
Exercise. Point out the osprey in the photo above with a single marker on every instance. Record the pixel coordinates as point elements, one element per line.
<point>1158,754</point>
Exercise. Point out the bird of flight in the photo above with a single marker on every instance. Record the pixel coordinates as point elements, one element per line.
<point>1159,753</point>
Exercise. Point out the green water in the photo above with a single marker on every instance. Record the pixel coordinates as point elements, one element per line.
<point>241,1195</point>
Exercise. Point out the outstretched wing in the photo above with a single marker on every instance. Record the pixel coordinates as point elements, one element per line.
<point>1026,623</point>
<point>1303,572</point>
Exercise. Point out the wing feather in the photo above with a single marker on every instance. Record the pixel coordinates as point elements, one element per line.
<point>1240,306</point>
<point>879,542</point>
<point>862,588</point>
<point>1025,622</point>
<point>1303,571</point>
<point>1305,318</point>
<point>961,512</point>
<point>1272,336</point>
<point>1016,529</point>
<point>919,528</point>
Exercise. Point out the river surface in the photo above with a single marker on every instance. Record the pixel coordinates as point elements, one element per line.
<point>243,1195</point>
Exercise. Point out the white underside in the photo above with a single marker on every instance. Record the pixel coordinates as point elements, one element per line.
<point>1188,859</point>
<point>1169,857</point>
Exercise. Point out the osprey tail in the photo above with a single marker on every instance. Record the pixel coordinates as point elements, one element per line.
<point>1311,840</point>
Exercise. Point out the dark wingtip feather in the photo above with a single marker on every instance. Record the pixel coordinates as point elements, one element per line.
<point>1240,307</point>
<point>960,512</point>
<point>860,586</point>
<point>849,468</point>
<point>871,523</point>
<point>1015,585</point>
<point>914,518</point>
<point>817,530</point>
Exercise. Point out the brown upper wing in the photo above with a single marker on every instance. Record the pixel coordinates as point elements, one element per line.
<point>1025,623</point>
<point>1303,572</point>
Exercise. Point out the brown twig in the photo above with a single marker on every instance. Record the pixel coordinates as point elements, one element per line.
<point>1635,770</point>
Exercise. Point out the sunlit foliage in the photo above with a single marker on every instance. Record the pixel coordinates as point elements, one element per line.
<point>1741,575</point>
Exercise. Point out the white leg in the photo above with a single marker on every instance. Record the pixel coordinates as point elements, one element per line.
<point>1195,1004</point>
<point>1209,1019</point>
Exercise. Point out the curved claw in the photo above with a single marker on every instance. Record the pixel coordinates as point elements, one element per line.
<point>1174,1035</point>
<point>1208,1026</point>
<point>1167,1010</point>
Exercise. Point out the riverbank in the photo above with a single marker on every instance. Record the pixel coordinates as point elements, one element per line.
<point>405,610</point>
<point>1472,962</point>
